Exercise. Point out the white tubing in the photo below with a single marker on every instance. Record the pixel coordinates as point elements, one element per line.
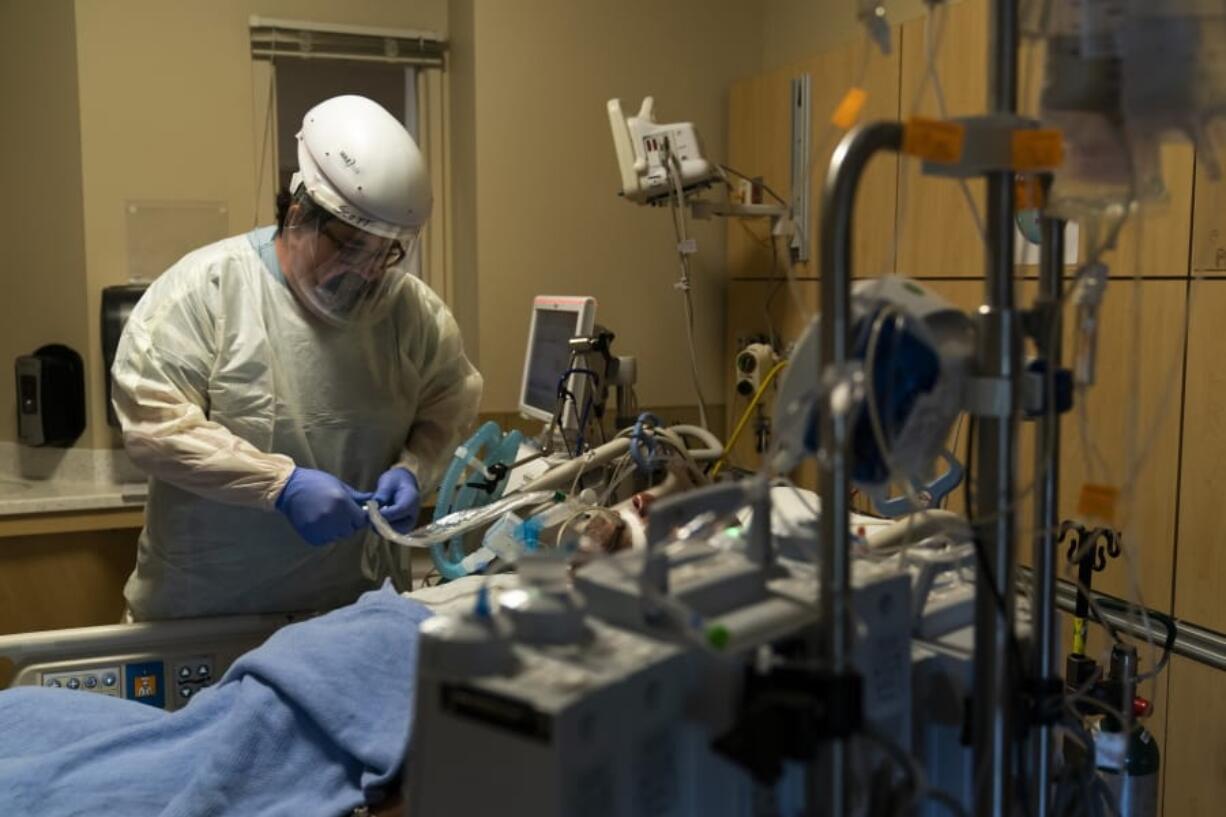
<point>917,526</point>
<point>563,476</point>
<point>714,448</point>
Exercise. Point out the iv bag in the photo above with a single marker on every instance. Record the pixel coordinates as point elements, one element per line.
<point>1108,164</point>
<point>1173,57</point>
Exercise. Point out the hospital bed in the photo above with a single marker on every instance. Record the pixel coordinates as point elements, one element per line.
<point>164,663</point>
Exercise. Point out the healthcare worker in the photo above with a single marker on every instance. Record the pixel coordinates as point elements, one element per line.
<point>273,382</point>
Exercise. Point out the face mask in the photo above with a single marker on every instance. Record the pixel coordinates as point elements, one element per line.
<point>338,273</point>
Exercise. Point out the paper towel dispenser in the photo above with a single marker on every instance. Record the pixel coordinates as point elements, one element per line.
<point>117,305</point>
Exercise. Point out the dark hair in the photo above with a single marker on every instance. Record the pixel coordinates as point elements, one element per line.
<point>311,212</point>
<point>284,199</point>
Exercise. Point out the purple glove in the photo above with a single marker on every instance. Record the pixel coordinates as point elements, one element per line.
<point>399,498</point>
<point>320,507</point>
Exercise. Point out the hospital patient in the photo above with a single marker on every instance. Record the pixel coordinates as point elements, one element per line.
<point>314,722</point>
<point>273,382</point>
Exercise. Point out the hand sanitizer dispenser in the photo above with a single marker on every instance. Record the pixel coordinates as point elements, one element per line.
<point>50,397</point>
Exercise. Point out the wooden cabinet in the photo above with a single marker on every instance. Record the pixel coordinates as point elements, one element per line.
<point>67,579</point>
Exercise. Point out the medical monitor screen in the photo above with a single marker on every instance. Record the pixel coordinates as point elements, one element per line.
<point>549,358</point>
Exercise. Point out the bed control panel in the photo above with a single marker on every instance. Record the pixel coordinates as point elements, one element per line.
<point>192,675</point>
<point>146,681</point>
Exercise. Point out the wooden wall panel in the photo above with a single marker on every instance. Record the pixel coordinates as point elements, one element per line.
<point>1209,223</point>
<point>1194,760</point>
<point>756,147</point>
<point>833,73</point>
<point>1133,410</point>
<point>759,128</point>
<point>1201,576</point>
<point>64,580</point>
<point>1164,229</point>
<point>938,236</point>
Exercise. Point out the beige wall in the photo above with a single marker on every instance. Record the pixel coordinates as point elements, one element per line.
<point>462,110</point>
<point>795,29</point>
<point>40,212</point>
<point>166,115</point>
<point>548,219</point>
<point>164,112</point>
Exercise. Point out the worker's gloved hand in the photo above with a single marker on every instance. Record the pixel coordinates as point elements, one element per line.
<point>399,498</point>
<point>320,507</point>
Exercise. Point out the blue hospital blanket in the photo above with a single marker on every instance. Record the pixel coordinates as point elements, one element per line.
<point>315,721</point>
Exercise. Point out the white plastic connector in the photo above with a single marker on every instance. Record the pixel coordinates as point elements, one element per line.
<point>1092,287</point>
<point>1088,297</point>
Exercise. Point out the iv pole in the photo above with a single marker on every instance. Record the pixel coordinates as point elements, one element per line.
<point>1000,340</point>
<point>999,360</point>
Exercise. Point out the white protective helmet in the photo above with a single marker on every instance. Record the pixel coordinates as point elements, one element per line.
<point>356,164</point>
<point>360,164</point>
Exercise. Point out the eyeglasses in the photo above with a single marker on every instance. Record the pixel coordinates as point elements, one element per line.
<point>357,251</point>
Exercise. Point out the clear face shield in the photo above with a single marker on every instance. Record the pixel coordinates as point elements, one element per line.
<point>343,274</point>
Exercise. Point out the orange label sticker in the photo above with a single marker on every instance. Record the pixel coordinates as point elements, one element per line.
<point>1098,502</point>
<point>1028,193</point>
<point>1041,149</point>
<point>849,109</point>
<point>934,140</point>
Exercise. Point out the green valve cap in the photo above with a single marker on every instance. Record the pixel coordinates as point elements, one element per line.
<point>718,636</point>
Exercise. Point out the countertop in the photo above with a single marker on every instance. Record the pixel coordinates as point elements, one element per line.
<point>50,481</point>
<point>20,496</point>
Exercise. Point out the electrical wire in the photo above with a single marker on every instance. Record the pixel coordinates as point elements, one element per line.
<point>566,394</point>
<point>771,243</point>
<point>917,786</point>
<point>677,201</point>
<point>953,449</point>
<point>789,273</point>
<point>1168,623</point>
<point>1049,444</point>
<point>746,414</point>
<point>1136,456</point>
<point>755,182</point>
<point>981,554</point>
<point>623,466</point>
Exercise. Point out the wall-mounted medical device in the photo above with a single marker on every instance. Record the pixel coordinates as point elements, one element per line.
<point>50,396</point>
<point>752,364</point>
<point>646,148</point>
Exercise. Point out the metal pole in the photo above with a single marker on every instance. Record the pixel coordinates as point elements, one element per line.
<point>1197,643</point>
<point>828,779</point>
<point>1048,343</point>
<point>999,358</point>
